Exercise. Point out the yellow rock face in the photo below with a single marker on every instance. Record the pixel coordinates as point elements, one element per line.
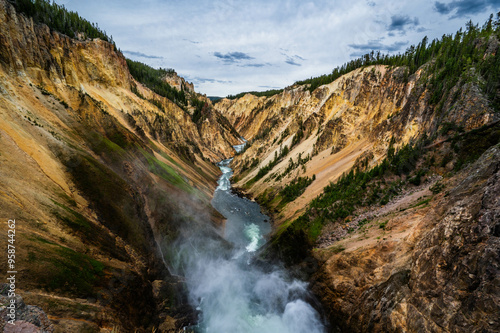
<point>410,264</point>
<point>95,176</point>
<point>357,113</point>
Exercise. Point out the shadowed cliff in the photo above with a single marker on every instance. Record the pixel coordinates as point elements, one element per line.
<point>98,179</point>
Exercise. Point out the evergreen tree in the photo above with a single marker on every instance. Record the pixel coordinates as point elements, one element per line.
<point>58,18</point>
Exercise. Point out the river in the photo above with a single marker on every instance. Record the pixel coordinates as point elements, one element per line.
<point>234,295</point>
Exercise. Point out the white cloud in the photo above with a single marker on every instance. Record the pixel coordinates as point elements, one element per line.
<point>285,40</point>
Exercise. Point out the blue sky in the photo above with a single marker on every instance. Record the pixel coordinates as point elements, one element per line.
<point>229,46</point>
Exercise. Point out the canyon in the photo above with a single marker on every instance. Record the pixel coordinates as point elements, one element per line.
<point>397,264</point>
<point>97,179</point>
<point>113,185</point>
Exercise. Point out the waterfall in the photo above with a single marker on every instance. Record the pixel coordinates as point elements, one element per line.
<point>232,294</point>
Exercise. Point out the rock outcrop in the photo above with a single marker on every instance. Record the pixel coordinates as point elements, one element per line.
<point>178,82</point>
<point>97,178</point>
<point>336,124</point>
<point>424,258</point>
<point>66,67</point>
<point>28,318</point>
<point>433,269</point>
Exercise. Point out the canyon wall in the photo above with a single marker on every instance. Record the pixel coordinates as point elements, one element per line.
<point>98,179</point>
<point>417,252</point>
<point>101,175</point>
<point>350,119</point>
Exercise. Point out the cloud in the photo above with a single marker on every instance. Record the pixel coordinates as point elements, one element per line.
<point>141,55</point>
<point>233,57</point>
<point>376,45</point>
<point>292,60</point>
<point>401,22</point>
<point>191,41</point>
<point>188,33</point>
<point>254,65</point>
<point>465,7</point>
<point>441,8</point>
<point>270,87</point>
<point>205,80</point>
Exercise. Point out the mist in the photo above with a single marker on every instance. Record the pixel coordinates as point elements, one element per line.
<point>231,293</point>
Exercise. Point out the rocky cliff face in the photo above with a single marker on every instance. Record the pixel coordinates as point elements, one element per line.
<point>421,258</point>
<point>97,179</point>
<point>432,268</point>
<point>65,67</point>
<point>101,178</point>
<point>337,124</point>
<point>179,83</point>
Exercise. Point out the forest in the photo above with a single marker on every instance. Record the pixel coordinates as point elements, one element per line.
<point>58,18</point>
<point>154,79</point>
<point>267,93</point>
<point>449,57</point>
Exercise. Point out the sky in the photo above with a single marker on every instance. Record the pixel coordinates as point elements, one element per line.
<point>230,46</point>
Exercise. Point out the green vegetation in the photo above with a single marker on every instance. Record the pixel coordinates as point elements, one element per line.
<point>297,137</point>
<point>336,249</point>
<point>66,269</point>
<point>247,165</point>
<point>153,79</point>
<point>382,225</point>
<point>76,222</point>
<point>417,178</point>
<point>437,187</point>
<point>163,170</point>
<point>133,88</point>
<point>293,165</point>
<point>74,272</point>
<point>469,146</point>
<point>295,188</point>
<point>363,222</point>
<point>267,93</point>
<point>167,157</point>
<point>156,103</point>
<point>270,199</point>
<point>446,127</point>
<point>448,58</point>
<point>198,108</point>
<point>108,147</point>
<point>41,240</point>
<point>357,189</point>
<point>277,158</point>
<point>422,202</point>
<point>58,18</point>
<point>112,198</point>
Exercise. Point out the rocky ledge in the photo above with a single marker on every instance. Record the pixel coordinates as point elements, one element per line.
<point>28,318</point>
<point>433,268</point>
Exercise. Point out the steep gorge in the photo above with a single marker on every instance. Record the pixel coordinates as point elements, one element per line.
<point>103,175</point>
<point>354,116</point>
<point>409,244</point>
<point>98,179</point>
